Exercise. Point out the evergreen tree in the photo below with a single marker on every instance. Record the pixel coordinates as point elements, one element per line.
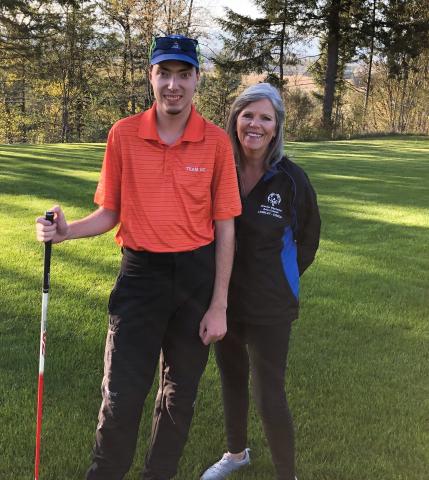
<point>20,27</point>
<point>263,45</point>
<point>217,90</point>
<point>343,27</point>
<point>404,38</point>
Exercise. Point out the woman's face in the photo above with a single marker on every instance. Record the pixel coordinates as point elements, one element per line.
<point>256,127</point>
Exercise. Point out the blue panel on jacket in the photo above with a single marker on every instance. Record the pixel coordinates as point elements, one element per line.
<point>289,261</point>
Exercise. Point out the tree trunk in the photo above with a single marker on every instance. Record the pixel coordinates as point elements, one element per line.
<point>129,48</point>
<point>401,121</point>
<point>169,14</point>
<point>282,55</point>
<point>371,57</point>
<point>65,114</point>
<point>331,66</point>
<point>68,67</point>
<point>124,102</point>
<point>81,84</point>
<point>152,12</point>
<point>188,25</point>
<point>8,131</point>
<point>23,107</point>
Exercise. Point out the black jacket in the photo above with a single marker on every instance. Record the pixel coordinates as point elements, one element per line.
<point>277,238</point>
<point>306,219</point>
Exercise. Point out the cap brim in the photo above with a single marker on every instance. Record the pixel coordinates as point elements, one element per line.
<point>174,56</point>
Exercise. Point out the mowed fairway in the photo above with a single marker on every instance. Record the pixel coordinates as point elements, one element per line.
<point>358,377</point>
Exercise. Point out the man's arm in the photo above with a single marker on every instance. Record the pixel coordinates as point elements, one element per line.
<point>98,222</point>
<point>213,324</point>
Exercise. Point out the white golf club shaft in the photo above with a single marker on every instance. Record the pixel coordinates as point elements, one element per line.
<point>43,328</point>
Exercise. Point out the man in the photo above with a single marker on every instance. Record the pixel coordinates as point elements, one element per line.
<point>168,179</point>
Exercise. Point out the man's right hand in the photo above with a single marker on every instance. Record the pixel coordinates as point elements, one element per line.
<point>55,232</point>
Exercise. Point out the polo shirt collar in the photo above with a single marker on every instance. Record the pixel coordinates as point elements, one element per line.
<point>194,130</point>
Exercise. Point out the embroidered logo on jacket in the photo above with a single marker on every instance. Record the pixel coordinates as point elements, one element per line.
<point>273,199</point>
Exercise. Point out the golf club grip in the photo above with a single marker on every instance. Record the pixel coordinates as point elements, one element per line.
<point>47,261</point>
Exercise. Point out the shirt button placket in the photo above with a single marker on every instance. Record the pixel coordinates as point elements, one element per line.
<point>167,162</point>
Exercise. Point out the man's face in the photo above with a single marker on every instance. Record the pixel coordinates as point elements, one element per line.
<point>173,84</point>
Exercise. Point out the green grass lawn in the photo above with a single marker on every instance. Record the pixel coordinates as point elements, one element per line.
<point>358,377</point>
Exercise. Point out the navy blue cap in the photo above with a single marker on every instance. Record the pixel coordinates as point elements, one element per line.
<point>175,47</point>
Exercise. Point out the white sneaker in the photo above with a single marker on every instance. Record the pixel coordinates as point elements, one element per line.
<point>225,466</point>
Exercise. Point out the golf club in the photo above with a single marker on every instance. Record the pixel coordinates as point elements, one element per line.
<point>43,326</point>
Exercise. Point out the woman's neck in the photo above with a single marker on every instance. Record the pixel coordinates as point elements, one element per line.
<point>251,171</point>
<point>253,163</point>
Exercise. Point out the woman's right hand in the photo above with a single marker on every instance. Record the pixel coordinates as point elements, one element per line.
<point>57,231</point>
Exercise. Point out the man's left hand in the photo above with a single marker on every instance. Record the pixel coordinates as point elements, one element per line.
<point>213,325</point>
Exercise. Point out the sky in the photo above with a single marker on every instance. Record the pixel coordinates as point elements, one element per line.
<point>216,9</point>
<point>247,7</point>
<point>244,7</point>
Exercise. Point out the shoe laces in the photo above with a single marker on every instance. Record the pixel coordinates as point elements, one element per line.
<point>224,460</point>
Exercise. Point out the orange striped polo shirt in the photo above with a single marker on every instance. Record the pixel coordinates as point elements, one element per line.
<point>167,196</point>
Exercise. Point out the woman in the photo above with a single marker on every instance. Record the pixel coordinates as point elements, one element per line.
<point>277,238</point>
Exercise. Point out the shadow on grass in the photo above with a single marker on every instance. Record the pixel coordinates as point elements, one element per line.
<point>36,171</point>
<point>86,157</point>
<point>398,174</point>
<point>356,374</point>
<point>357,377</point>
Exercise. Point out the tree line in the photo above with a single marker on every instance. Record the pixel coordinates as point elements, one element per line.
<point>70,68</point>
